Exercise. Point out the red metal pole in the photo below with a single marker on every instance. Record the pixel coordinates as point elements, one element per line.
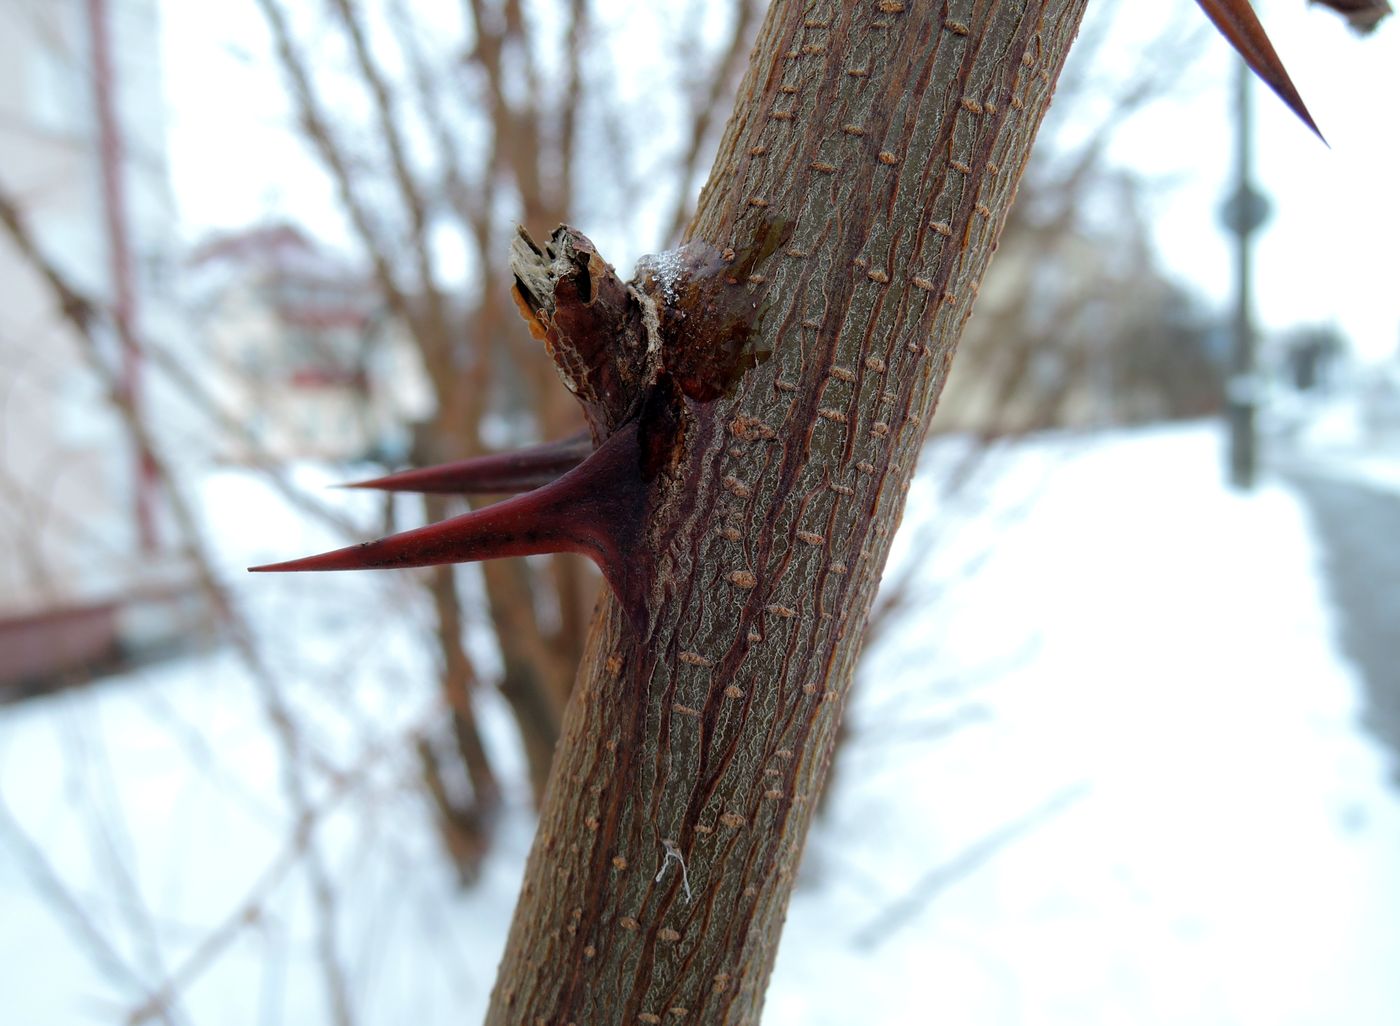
<point>110,155</point>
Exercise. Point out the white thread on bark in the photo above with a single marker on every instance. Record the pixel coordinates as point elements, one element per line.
<point>673,852</point>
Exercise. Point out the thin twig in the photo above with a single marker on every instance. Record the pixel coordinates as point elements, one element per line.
<point>45,879</point>
<point>904,909</point>
<point>83,314</point>
<point>436,337</point>
<point>706,107</point>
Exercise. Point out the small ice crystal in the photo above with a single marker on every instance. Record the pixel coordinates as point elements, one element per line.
<point>665,268</point>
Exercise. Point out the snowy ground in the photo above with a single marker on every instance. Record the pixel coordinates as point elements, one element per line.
<point>1109,773</point>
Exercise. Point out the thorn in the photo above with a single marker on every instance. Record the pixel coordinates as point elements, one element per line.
<point>1239,24</point>
<point>596,509</point>
<point>518,471</point>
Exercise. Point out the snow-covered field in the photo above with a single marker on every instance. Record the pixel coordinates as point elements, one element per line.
<point>1106,770</point>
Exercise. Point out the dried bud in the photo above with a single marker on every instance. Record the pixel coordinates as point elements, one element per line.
<point>1362,15</point>
<point>597,330</point>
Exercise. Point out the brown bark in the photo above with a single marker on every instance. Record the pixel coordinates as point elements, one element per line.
<point>856,199</point>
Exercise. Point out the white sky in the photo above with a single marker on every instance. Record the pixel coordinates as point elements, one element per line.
<point>1328,254</point>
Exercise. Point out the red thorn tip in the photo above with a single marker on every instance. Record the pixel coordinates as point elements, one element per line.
<point>595,509</point>
<point>1239,24</point>
<point>518,471</point>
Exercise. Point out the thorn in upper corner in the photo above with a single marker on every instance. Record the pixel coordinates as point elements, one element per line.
<point>1362,15</point>
<point>1239,24</point>
<point>518,471</point>
<point>597,509</point>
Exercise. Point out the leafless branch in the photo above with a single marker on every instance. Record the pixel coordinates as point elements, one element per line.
<point>45,879</point>
<point>434,321</point>
<point>317,127</point>
<point>83,315</point>
<point>707,105</point>
<point>903,910</point>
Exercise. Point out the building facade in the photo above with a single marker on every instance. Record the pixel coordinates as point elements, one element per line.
<point>90,575</point>
<point>301,350</point>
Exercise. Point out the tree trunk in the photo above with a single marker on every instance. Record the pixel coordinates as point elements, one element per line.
<point>857,196</point>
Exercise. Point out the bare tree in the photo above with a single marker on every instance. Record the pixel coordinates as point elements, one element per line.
<point>802,338</point>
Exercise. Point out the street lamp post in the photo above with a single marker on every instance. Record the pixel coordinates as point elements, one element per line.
<point>1244,212</point>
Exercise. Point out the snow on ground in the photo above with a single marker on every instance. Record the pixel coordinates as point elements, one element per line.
<point>1107,772</point>
<point>1220,846</point>
<point>1351,433</point>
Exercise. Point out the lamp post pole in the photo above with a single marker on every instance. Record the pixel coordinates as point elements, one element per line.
<point>1244,213</point>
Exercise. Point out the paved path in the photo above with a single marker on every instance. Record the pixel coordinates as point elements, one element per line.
<point>1358,526</point>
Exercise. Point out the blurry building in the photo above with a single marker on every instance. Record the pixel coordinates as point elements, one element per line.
<point>87,577</point>
<point>1077,327</point>
<point>301,349</point>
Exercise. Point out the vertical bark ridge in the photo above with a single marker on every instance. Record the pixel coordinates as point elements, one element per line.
<point>858,193</point>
